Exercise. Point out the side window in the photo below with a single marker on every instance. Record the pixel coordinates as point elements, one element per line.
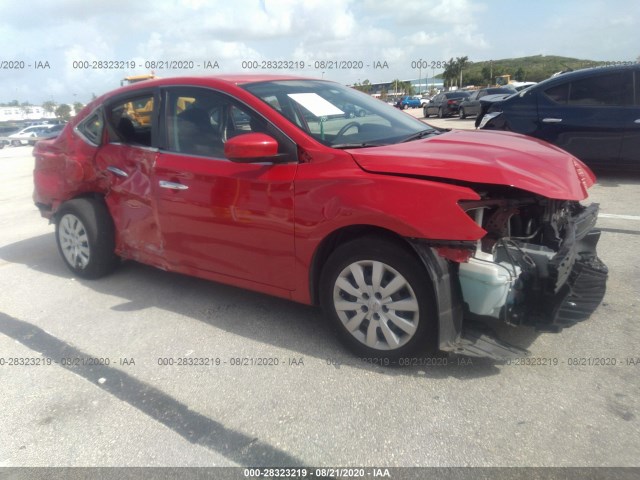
<point>199,121</point>
<point>130,120</point>
<point>559,93</point>
<point>601,90</point>
<point>91,128</point>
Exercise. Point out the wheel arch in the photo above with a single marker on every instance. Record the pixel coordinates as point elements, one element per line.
<point>89,195</point>
<point>337,238</point>
<point>442,275</point>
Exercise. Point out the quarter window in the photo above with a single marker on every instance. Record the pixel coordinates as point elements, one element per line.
<point>91,128</point>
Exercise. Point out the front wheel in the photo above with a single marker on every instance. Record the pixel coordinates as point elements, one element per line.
<point>85,237</point>
<point>379,298</point>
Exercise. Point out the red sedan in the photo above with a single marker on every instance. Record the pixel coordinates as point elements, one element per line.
<point>406,235</point>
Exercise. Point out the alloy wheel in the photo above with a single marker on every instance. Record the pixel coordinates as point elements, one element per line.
<point>376,305</point>
<point>74,241</point>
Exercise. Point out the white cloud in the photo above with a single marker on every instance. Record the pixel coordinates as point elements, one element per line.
<point>395,31</point>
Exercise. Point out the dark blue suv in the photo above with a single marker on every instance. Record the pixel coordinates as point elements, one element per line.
<point>593,114</point>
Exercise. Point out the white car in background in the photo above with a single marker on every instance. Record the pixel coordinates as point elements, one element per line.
<point>23,136</point>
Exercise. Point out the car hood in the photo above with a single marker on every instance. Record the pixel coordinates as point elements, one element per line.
<point>499,158</point>
<point>496,97</point>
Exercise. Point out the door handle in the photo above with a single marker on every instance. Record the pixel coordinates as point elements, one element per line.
<point>551,120</point>
<point>117,171</point>
<point>172,185</point>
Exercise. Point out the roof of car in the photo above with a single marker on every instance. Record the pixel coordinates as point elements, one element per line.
<point>595,70</point>
<point>235,79</point>
<point>230,79</point>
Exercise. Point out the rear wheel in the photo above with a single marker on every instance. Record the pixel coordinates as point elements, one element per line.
<point>379,298</point>
<point>86,237</point>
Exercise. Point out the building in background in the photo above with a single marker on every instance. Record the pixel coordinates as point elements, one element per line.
<point>420,86</point>
<point>22,113</point>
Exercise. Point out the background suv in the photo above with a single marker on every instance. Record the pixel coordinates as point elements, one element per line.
<point>593,114</point>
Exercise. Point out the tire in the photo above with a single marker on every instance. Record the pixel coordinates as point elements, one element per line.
<point>461,114</point>
<point>363,315</point>
<point>425,112</point>
<point>16,143</point>
<point>440,113</point>
<point>86,238</point>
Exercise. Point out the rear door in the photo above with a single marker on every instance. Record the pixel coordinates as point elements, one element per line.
<point>432,106</point>
<point>234,219</point>
<point>586,117</point>
<point>472,103</point>
<point>127,160</point>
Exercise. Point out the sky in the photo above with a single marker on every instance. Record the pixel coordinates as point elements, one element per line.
<point>47,46</point>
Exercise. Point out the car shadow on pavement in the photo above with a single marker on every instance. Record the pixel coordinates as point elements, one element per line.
<point>194,427</point>
<point>274,321</point>
<point>615,178</point>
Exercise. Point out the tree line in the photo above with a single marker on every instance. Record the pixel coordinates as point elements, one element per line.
<point>461,72</point>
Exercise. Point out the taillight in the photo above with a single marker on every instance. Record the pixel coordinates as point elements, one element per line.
<point>451,102</point>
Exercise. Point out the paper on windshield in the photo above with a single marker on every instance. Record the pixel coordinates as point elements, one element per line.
<point>316,104</point>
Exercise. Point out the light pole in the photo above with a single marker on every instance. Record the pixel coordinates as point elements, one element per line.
<point>433,77</point>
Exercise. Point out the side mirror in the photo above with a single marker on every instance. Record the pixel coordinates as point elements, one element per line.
<point>251,147</point>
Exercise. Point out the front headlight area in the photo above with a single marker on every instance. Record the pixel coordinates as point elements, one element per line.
<point>510,264</point>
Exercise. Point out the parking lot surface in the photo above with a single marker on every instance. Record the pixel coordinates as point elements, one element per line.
<point>150,368</point>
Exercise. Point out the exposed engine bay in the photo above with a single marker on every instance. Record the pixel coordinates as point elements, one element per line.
<point>537,265</point>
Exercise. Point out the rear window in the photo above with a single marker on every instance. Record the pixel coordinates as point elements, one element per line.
<point>457,95</point>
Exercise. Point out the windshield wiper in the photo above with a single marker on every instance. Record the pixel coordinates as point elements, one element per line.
<point>357,145</point>
<point>421,134</point>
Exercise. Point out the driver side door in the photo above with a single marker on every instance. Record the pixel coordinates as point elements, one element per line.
<point>231,219</point>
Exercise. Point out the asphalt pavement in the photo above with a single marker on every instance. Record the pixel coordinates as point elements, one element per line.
<point>150,368</point>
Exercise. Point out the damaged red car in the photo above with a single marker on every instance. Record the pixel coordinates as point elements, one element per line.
<point>409,237</point>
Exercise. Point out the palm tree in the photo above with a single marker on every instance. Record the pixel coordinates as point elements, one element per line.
<point>449,72</point>
<point>462,63</point>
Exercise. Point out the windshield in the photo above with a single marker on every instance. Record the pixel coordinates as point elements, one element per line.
<point>337,116</point>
